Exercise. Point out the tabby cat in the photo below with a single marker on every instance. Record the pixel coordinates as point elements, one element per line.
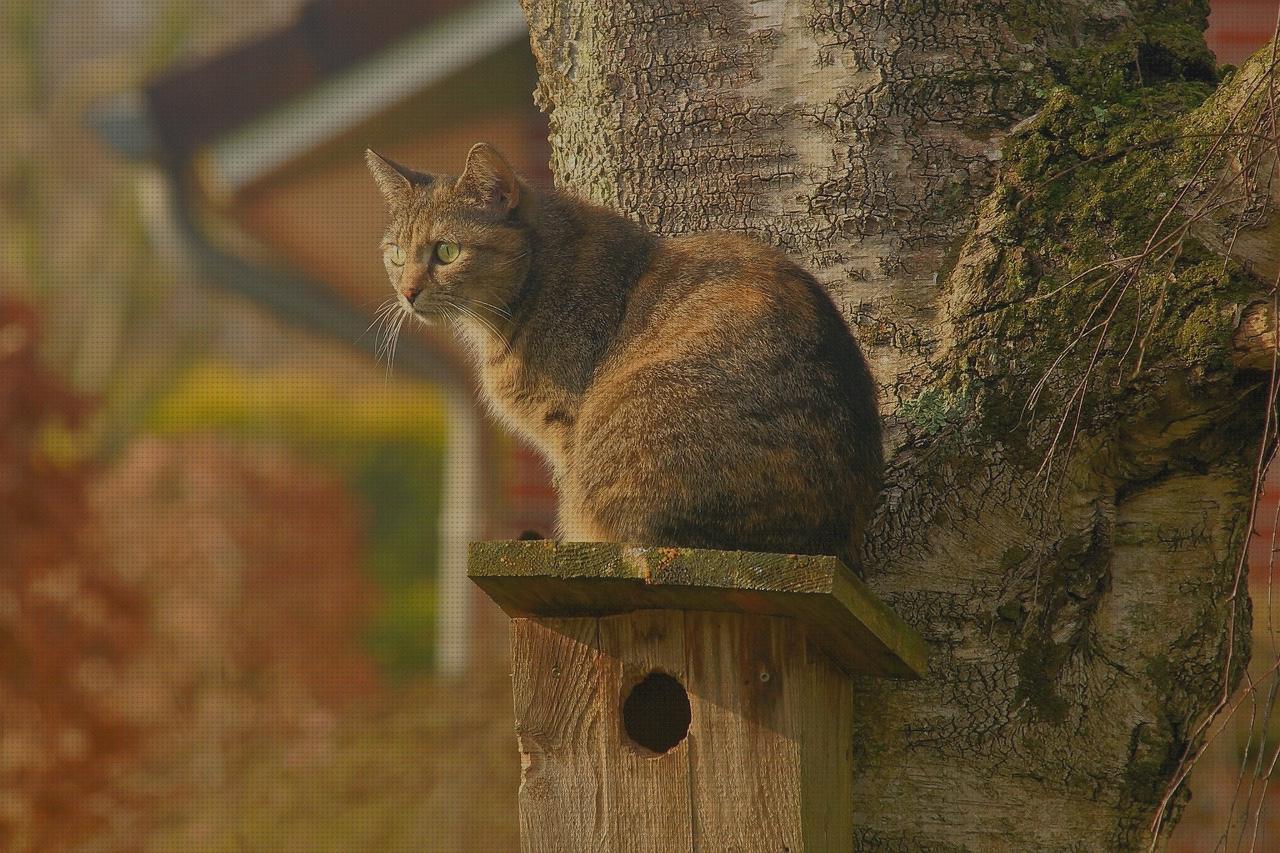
<point>699,390</point>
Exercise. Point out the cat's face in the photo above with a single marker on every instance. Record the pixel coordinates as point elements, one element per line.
<point>455,248</point>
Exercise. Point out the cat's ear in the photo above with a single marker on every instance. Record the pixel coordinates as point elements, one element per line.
<point>394,180</point>
<point>489,180</point>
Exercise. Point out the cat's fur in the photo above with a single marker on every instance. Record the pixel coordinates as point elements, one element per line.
<point>699,391</point>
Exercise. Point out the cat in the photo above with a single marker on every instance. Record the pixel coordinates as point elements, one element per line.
<point>698,391</point>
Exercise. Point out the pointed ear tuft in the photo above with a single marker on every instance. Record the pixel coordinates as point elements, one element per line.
<point>393,179</point>
<point>489,180</point>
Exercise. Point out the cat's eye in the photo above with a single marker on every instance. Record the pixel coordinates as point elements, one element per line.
<point>394,255</point>
<point>446,252</point>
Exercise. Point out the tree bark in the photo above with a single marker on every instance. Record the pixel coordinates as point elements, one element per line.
<point>1072,434</point>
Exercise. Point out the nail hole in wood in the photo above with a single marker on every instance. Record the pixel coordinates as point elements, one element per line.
<point>656,714</point>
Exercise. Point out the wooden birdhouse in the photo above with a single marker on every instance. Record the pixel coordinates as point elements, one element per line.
<point>677,700</point>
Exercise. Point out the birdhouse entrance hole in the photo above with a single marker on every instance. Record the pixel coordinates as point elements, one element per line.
<point>656,713</point>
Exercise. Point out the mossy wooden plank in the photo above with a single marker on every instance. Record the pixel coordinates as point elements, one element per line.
<point>840,613</point>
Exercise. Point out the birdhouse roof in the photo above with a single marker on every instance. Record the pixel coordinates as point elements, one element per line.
<point>547,578</point>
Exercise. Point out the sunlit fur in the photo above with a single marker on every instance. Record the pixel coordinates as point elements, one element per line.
<point>699,391</point>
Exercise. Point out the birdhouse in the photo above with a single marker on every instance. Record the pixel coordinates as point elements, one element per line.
<point>677,700</point>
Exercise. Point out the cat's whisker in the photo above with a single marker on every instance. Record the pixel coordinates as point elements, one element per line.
<point>511,261</point>
<point>384,332</point>
<point>470,313</point>
<point>488,325</point>
<point>387,338</point>
<point>463,311</point>
<point>450,313</point>
<point>378,316</point>
<point>501,312</point>
<point>399,327</point>
<point>395,340</point>
<point>380,335</point>
<point>389,323</point>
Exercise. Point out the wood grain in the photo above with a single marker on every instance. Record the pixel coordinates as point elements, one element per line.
<point>649,808</point>
<point>744,741</point>
<point>822,702</point>
<point>557,685</point>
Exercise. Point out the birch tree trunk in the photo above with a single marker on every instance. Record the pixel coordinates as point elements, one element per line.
<point>1023,209</point>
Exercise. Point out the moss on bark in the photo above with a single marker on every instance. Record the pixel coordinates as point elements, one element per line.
<point>1055,283</point>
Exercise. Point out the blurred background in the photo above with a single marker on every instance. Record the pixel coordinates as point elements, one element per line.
<point>233,614</point>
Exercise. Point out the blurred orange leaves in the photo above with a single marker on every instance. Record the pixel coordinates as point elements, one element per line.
<point>159,613</point>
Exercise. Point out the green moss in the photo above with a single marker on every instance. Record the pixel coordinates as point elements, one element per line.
<point>1160,672</point>
<point>1093,179</point>
<point>933,409</point>
<point>1013,557</point>
<point>1024,18</point>
<point>1205,331</point>
<point>1087,183</point>
<point>1038,665</point>
<point>1087,180</point>
<point>1154,750</point>
<point>1175,51</point>
<point>1054,626</point>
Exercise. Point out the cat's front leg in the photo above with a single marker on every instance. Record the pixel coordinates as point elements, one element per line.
<point>575,523</point>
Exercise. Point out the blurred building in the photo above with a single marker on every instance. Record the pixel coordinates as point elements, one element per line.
<point>1237,28</point>
<point>261,150</point>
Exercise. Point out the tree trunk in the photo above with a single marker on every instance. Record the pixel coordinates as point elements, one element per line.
<point>1022,209</point>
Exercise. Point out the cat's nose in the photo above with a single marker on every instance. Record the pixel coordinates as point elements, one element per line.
<point>411,291</point>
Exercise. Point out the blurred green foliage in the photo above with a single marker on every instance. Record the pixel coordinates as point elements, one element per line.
<point>387,441</point>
